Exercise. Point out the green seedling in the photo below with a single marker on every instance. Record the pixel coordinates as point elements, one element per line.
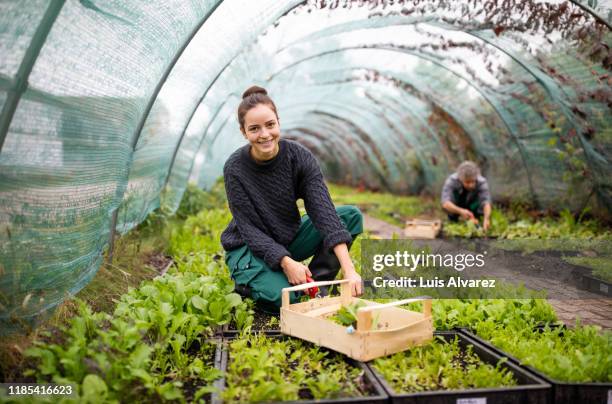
<point>441,365</point>
<point>274,369</point>
<point>347,315</point>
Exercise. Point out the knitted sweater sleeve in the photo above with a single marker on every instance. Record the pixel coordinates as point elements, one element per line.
<point>245,217</point>
<point>318,203</point>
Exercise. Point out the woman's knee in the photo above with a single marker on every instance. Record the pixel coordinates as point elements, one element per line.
<point>352,218</point>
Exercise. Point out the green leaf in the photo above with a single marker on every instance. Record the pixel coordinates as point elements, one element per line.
<point>94,389</point>
<point>169,391</point>
<point>233,299</point>
<point>199,303</point>
<point>140,357</point>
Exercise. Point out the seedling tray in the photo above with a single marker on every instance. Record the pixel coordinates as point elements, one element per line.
<point>218,343</point>
<point>561,392</point>
<point>530,390</point>
<point>260,324</point>
<point>596,285</point>
<point>397,329</point>
<point>422,229</point>
<point>228,333</point>
<point>378,392</point>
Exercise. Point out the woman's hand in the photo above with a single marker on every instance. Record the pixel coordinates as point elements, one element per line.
<point>348,269</point>
<point>295,271</point>
<point>355,279</point>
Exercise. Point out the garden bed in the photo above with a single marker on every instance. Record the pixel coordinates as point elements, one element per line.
<point>198,387</point>
<point>562,392</point>
<point>279,368</point>
<point>262,322</point>
<point>471,373</point>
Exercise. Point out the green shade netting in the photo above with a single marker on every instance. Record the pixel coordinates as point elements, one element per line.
<point>109,108</point>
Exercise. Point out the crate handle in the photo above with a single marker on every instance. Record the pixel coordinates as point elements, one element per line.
<point>343,290</point>
<point>364,314</point>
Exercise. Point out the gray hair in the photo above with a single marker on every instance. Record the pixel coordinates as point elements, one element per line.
<point>468,170</point>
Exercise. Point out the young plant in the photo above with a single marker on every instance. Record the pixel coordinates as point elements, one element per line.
<point>441,365</point>
<point>347,315</point>
<point>579,355</point>
<point>261,368</point>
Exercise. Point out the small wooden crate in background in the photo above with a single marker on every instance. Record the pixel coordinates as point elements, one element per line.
<point>422,228</point>
<point>398,329</point>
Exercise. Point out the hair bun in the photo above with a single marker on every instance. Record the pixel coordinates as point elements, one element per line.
<point>254,90</point>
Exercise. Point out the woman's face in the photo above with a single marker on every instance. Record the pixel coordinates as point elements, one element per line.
<point>262,130</point>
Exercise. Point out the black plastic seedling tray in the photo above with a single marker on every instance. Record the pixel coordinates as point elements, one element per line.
<point>230,333</point>
<point>378,392</point>
<point>530,390</point>
<point>596,285</point>
<point>561,392</point>
<point>190,387</point>
<point>260,324</point>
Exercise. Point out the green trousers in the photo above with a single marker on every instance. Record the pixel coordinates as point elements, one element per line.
<point>264,285</point>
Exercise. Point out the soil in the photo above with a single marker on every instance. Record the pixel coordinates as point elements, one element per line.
<point>191,386</point>
<point>261,322</point>
<point>159,262</point>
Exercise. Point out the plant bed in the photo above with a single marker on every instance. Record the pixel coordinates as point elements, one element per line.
<point>280,368</point>
<point>262,322</point>
<point>540,327</point>
<point>562,392</point>
<point>207,357</point>
<point>471,373</point>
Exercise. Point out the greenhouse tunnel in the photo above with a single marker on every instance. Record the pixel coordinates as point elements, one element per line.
<point>110,108</point>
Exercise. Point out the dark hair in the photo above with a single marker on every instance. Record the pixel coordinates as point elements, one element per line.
<point>252,97</point>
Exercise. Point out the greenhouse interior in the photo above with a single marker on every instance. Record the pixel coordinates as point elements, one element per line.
<point>168,168</point>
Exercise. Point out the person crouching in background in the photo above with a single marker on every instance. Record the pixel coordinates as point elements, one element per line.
<point>466,195</point>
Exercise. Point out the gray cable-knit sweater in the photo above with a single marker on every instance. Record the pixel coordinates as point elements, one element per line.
<point>262,198</point>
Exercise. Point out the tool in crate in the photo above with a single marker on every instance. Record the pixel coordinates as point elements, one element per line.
<point>397,328</point>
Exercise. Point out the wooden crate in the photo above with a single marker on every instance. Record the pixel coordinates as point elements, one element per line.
<point>423,229</point>
<point>399,329</point>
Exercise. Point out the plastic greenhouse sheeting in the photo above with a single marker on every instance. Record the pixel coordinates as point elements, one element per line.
<point>109,108</point>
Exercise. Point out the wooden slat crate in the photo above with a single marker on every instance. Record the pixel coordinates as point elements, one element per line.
<point>422,229</point>
<point>398,329</point>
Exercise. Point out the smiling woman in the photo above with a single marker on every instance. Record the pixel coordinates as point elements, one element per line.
<point>263,129</point>
<point>267,239</point>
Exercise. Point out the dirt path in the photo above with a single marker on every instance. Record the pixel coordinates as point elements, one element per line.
<point>569,303</point>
